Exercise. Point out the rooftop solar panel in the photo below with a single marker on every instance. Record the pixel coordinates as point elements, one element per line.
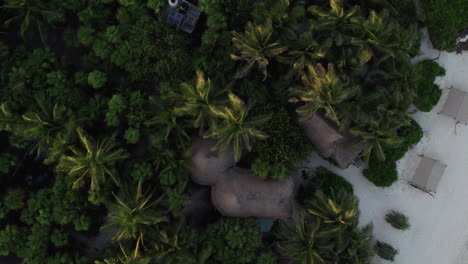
<point>174,18</point>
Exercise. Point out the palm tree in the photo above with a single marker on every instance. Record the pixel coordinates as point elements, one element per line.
<point>196,101</point>
<point>170,126</point>
<point>301,240</point>
<point>381,33</point>
<point>126,258</point>
<point>323,90</point>
<point>93,161</point>
<point>306,52</point>
<point>46,123</point>
<point>336,24</point>
<point>236,127</point>
<point>32,14</point>
<point>134,216</point>
<point>256,47</point>
<point>340,208</point>
<point>339,213</point>
<point>374,134</point>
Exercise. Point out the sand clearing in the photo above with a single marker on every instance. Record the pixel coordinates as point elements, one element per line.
<point>439,231</point>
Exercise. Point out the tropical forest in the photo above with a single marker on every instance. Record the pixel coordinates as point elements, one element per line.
<point>175,132</point>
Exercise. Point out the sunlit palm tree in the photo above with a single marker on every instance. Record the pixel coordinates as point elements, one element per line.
<point>196,101</point>
<point>134,216</point>
<point>323,90</point>
<point>301,240</point>
<point>236,128</point>
<point>306,52</point>
<point>91,161</point>
<point>256,47</point>
<point>374,135</point>
<point>46,122</point>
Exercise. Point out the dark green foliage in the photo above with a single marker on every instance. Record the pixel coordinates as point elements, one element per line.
<point>428,93</point>
<point>397,220</point>
<point>445,19</point>
<point>234,240</point>
<point>385,251</point>
<point>14,199</point>
<point>7,162</point>
<point>381,173</point>
<point>329,181</point>
<point>267,258</point>
<point>411,135</point>
<point>266,170</point>
<point>286,142</point>
<point>97,79</point>
<point>327,232</point>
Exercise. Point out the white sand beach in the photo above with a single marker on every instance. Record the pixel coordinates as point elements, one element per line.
<point>439,225</point>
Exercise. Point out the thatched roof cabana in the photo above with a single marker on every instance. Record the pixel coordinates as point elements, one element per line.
<point>207,165</point>
<point>329,143</point>
<point>346,151</point>
<point>239,193</point>
<point>322,133</point>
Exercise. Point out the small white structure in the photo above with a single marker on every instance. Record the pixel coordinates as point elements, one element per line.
<point>428,174</point>
<point>456,106</point>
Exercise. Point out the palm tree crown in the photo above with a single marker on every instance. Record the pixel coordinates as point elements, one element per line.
<point>197,101</point>
<point>256,47</point>
<point>236,127</point>
<point>323,90</point>
<point>94,161</point>
<point>134,216</point>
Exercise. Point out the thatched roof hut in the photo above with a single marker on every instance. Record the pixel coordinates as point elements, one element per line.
<point>239,193</point>
<point>207,165</point>
<point>329,143</point>
<point>322,133</point>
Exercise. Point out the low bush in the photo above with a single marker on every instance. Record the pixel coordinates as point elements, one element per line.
<point>411,135</point>
<point>385,251</point>
<point>428,93</point>
<point>381,173</point>
<point>445,19</point>
<point>397,220</point>
<point>266,170</point>
<point>286,142</point>
<point>328,180</point>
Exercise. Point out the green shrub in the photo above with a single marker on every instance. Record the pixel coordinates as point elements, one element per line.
<point>97,79</point>
<point>14,199</point>
<point>445,19</point>
<point>286,142</point>
<point>265,170</point>
<point>267,258</point>
<point>234,240</point>
<point>381,173</point>
<point>397,220</point>
<point>328,180</point>
<point>385,251</point>
<point>411,135</point>
<point>428,93</point>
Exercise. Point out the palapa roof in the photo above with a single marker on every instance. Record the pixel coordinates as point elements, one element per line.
<point>329,143</point>
<point>238,193</point>
<point>428,174</point>
<point>456,105</point>
<point>322,133</point>
<point>347,150</point>
<point>207,165</point>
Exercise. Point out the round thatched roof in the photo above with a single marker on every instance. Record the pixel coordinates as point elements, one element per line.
<point>239,193</point>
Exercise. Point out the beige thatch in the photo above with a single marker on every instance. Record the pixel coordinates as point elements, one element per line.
<point>206,165</point>
<point>428,174</point>
<point>346,151</point>
<point>456,106</point>
<point>322,133</point>
<point>238,193</point>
